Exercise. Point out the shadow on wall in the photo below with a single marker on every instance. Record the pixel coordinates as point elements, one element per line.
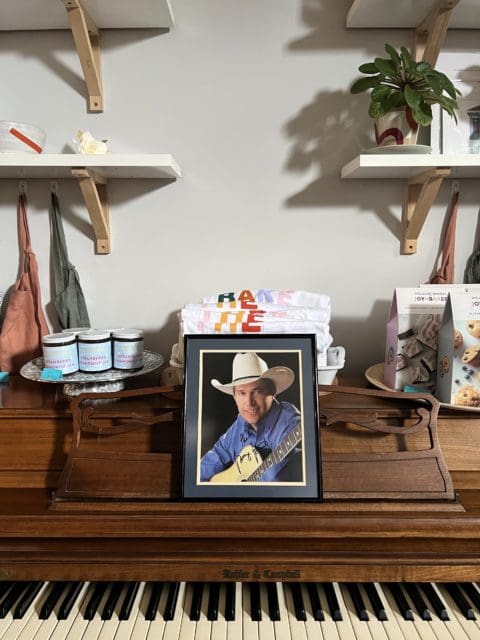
<point>366,348</point>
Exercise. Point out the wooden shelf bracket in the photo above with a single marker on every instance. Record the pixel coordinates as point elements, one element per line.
<point>94,192</point>
<point>421,192</point>
<point>430,33</point>
<point>87,42</point>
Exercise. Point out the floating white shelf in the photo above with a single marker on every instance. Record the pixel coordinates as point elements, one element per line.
<point>376,14</point>
<point>409,165</point>
<point>92,173</point>
<point>111,165</point>
<point>86,18</point>
<point>22,15</point>
<point>424,174</point>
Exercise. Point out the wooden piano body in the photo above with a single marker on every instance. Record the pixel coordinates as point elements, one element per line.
<point>261,541</point>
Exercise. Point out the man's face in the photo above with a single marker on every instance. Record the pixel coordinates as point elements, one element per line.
<point>253,401</point>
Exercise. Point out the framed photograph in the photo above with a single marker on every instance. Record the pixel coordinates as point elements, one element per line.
<point>250,418</point>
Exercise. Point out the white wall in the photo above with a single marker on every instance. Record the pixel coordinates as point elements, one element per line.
<point>252,98</point>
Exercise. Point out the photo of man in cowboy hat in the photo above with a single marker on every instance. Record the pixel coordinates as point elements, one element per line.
<point>263,444</point>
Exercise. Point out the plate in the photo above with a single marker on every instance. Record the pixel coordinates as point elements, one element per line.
<point>33,370</point>
<point>400,148</point>
<point>374,375</point>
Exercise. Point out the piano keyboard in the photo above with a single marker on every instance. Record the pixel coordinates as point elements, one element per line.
<point>238,611</point>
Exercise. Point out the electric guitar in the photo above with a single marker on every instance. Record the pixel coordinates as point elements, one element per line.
<point>248,466</point>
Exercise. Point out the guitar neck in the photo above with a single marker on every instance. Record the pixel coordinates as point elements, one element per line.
<point>278,454</point>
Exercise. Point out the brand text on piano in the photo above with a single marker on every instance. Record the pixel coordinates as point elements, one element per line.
<point>256,574</point>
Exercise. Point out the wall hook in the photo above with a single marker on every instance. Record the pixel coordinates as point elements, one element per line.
<point>455,187</point>
<point>22,187</point>
<point>54,187</point>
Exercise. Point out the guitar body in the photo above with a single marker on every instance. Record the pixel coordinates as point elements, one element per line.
<point>242,468</point>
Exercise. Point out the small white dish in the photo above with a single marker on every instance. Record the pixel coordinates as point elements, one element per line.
<point>326,375</point>
<point>400,148</point>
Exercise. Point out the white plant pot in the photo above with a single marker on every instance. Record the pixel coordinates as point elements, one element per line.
<point>395,129</point>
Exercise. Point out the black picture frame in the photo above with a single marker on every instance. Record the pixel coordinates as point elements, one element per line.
<point>209,412</point>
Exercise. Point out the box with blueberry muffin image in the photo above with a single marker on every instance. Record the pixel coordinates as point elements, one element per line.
<point>458,365</point>
<point>412,337</point>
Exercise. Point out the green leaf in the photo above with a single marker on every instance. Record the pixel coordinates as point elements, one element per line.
<point>423,68</point>
<point>407,60</point>
<point>393,55</point>
<point>362,84</point>
<point>385,67</point>
<point>380,93</point>
<point>423,114</point>
<point>396,100</point>
<point>377,109</point>
<point>436,83</point>
<point>368,67</point>
<point>411,96</point>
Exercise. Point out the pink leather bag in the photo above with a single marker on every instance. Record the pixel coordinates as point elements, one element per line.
<point>445,272</point>
<point>24,323</point>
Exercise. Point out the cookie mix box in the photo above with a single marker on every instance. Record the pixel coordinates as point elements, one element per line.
<point>412,336</point>
<point>458,372</point>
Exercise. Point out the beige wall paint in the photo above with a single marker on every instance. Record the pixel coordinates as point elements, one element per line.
<point>252,99</point>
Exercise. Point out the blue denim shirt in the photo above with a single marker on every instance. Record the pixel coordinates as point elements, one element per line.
<point>271,430</point>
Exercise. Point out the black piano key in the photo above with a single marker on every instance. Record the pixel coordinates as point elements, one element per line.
<point>26,600</point>
<point>418,600</point>
<point>400,600</point>
<point>11,597</point>
<point>298,603</point>
<point>213,598</point>
<point>69,600</point>
<point>273,603</point>
<point>153,601</point>
<point>376,602</point>
<point>230,601</point>
<point>195,609</point>
<point>460,600</point>
<point>436,602</point>
<point>315,603</point>
<point>5,585</point>
<point>171,603</point>
<point>128,600</point>
<point>112,599</point>
<point>94,600</point>
<point>53,597</point>
<point>472,592</point>
<point>358,602</point>
<point>332,601</point>
<point>255,604</point>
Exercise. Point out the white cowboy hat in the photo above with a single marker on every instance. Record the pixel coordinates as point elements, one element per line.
<point>248,367</point>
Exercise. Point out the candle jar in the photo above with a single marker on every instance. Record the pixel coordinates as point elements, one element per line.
<point>127,349</point>
<point>94,351</point>
<point>60,352</point>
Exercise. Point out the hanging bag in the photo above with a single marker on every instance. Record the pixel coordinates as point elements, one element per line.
<point>69,300</point>
<point>445,272</point>
<point>24,323</point>
<point>472,268</point>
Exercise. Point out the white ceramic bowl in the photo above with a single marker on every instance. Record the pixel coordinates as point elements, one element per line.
<point>20,137</point>
<point>326,375</point>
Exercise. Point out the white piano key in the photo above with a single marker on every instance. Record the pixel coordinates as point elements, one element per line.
<point>265,626</point>
<point>34,622</point>
<point>125,627</point>
<point>47,626</point>
<point>458,623</point>
<point>362,632</point>
<point>187,626</point>
<point>109,627</point>
<point>375,626</point>
<point>434,628</point>
<point>204,626</point>
<point>63,626</point>
<point>249,626</point>
<point>172,627</point>
<point>407,628</point>
<point>344,627</point>
<point>141,625</point>
<point>282,626</point>
<point>95,625</point>
<point>234,627</point>
<point>219,627</point>
<point>297,627</point>
<point>157,627</point>
<point>79,625</point>
<point>312,626</point>
<point>16,627</point>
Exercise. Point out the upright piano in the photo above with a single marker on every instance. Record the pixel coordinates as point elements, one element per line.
<point>168,568</point>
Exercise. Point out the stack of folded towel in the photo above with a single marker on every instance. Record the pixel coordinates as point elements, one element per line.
<point>258,311</point>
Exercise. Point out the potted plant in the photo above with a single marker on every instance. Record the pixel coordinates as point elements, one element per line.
<point>402,94</point>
